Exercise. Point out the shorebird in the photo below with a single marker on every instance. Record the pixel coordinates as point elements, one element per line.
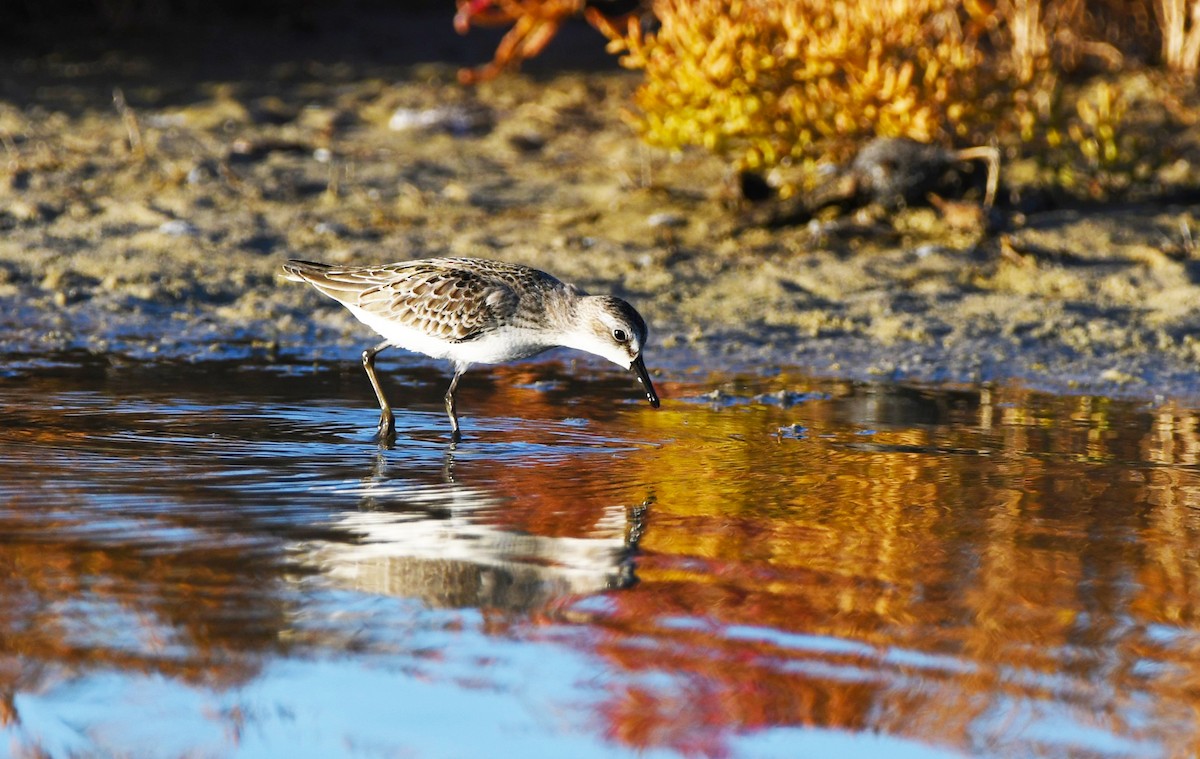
<point>475,311</point>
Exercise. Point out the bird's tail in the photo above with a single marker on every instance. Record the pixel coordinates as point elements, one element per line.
<point>304,271</point>
<point>344,285</point>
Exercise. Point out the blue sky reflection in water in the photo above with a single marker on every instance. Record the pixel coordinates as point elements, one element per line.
<point>216,560</point>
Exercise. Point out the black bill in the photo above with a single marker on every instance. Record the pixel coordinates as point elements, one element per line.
<point>639,368</point>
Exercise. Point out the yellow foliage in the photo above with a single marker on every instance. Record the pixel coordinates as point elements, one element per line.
<point>1101,111</point>
<point>767,83</point>
<point>775,81</point>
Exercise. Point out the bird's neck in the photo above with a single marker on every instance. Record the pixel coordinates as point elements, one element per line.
<point>567,313</point>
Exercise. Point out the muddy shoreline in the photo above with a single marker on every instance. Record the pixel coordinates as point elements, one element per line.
<point>158,232</point>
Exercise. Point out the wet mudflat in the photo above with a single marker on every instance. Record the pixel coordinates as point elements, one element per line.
<point>216,559</point>
<point>159,231</point>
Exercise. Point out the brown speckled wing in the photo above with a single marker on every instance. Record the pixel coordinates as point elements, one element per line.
<point>444,303</point>
<point>453,299</point>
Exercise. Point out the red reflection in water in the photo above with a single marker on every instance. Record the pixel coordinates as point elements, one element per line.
<point>990,571</point>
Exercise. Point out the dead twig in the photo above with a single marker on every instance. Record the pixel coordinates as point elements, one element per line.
<point>1180,22</point>
<point>129,118</point>
<point>990,155</point>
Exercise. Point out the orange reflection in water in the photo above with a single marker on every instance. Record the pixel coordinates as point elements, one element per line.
<point>1019,571</point>
<point>990,571</point>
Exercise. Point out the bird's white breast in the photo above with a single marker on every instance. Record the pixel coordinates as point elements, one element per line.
<point>496,347</point>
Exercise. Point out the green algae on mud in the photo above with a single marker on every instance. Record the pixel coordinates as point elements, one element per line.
<point>173,248</point>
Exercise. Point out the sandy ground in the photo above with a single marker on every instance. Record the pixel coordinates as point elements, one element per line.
<point>159,231</point>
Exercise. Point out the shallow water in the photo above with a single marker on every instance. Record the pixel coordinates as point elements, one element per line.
<point>218,560</point>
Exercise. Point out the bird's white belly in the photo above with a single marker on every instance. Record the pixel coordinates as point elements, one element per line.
<point>495,348</point>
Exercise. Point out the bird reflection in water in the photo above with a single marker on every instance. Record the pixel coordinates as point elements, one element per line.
<point>457,545</point>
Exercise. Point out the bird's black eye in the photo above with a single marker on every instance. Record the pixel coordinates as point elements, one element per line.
<point>620,335</point>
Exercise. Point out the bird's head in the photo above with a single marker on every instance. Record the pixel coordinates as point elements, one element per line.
<point>611,328</point>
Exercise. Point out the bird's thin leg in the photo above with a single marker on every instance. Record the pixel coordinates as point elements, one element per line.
<point>455,435</point>
<point>387,423</point>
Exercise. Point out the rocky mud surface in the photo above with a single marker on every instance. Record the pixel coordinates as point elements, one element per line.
<point>155,225</point>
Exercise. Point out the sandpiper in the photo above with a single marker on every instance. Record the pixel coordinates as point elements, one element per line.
<point>475,311</point>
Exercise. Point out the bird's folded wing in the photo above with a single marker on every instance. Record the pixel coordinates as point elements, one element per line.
<point>450,304</point>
